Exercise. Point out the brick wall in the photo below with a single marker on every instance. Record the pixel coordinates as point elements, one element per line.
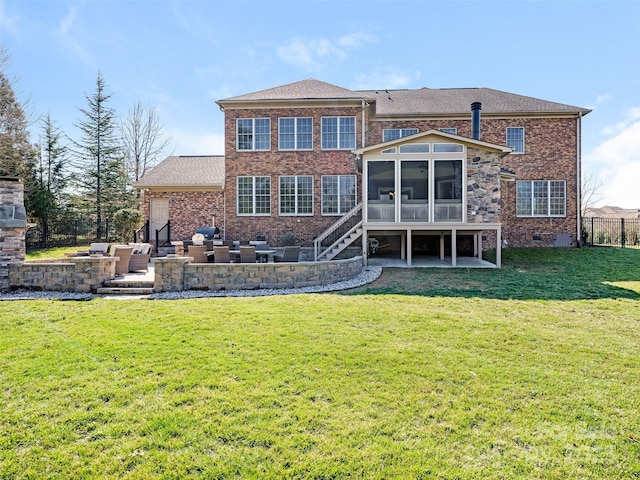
<point>189,211</point>
<point>276,228</point>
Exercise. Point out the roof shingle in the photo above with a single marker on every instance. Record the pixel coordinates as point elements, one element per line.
<point>187,171</point>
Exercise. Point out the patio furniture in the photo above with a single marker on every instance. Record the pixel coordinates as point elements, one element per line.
<point>140,257</point>
<point>221,254</point>
<point>197,252</point>
<point>185,245</point>
<point>247,254</point>
<point>208,245</point>
<point>99,247</point>
<point>123,252</point>
<point>263,251</point>
<point>290,254</point>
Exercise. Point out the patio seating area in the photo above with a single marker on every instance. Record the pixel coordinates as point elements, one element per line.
<point>229,251</point>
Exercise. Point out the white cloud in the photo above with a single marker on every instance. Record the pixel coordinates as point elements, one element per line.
<point>309,53</point>
<point>66,23</point>
<point>616,162</point>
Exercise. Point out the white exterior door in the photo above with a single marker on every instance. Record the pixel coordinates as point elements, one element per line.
<point>158,215</point>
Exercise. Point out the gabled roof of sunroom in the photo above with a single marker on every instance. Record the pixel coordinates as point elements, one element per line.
<point>502,149</point>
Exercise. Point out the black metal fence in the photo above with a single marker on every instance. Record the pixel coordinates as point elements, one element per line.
<point>611,232</point>
<point>66,233</point>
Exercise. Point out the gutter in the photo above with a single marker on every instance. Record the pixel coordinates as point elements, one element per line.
<point>579,178</point>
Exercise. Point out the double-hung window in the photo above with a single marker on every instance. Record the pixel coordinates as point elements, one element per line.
<point>296,195</point>
<point>541,198</point>
<point>295,133</point>
<point>253,134</point>
<point>338,194</point>
<point>254,195</point>
<point>515,139</point>
<point>389,134</point>
<point>338,133</point>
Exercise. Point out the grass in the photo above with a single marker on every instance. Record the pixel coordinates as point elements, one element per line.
<point>53,252</point>
<point>527,372</point>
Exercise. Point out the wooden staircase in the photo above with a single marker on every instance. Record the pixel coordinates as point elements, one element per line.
<point>333,241</point>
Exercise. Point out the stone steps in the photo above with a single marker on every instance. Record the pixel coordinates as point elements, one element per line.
<point>126,287</point>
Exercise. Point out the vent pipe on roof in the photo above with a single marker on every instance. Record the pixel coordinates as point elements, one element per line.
<point>475,120</point>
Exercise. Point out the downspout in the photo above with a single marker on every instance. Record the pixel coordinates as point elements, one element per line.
<point>364,104</point>
<point>579,178</point>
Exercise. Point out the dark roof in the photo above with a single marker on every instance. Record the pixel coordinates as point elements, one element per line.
<point>185,171</point>
<point>309,89</point>
<point>457,101</point>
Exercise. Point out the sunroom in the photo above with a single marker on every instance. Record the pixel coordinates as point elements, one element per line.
<point>431,197</point>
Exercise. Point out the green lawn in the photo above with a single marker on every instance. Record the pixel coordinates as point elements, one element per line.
<point>531,371</point>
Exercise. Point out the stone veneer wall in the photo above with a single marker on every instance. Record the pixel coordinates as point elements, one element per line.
<point>12,235</point>
<point>174,274</point>
<point>82,274</point>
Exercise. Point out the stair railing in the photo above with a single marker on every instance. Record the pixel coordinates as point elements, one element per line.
<point>323,242</point>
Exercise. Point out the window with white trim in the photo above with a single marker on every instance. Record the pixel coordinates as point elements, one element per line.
<point>541,198</point>
<point>515,139</point>
<point>338,133</point>
<point>254,195</point>
<point>389,134</point>
<point>449,130</point>
<point>295,133</point>
<point>253,134</point>
<point>296,195</point>
<point>338,194</point>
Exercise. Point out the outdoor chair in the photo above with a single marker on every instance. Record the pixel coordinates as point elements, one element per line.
<point>208,245</point>
<point>221,254</point>
<point>123,252</point>
<point>140,257</point>
<point>197,252</point>
<point>185,245</point>
<point>290,254</point>
<point>247,254</point>
<point>102,248</point>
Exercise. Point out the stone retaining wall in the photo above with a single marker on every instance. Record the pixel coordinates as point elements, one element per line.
<point>82,274</point>
<point>174,274</point>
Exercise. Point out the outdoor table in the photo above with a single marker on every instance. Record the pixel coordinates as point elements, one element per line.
<point>261,255</point>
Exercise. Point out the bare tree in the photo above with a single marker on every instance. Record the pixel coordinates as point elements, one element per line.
<point>591,193</point>
<point>143,140</point>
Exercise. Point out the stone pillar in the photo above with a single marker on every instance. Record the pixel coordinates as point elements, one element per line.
<point>13,226</point>
<point>169,273</point>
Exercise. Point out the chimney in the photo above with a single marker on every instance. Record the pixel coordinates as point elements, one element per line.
<point>475,120</point>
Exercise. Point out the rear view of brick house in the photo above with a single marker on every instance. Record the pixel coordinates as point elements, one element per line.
<point>419,170</point>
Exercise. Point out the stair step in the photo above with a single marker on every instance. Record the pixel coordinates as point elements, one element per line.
<point>128,284</point>
<point>124,291</point>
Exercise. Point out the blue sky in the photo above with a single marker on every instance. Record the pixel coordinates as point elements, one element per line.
<point>182,56</point>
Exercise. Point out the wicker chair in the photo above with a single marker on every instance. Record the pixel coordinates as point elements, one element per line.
<point>123,252</point>
<point>221,254</point>
<point>140,257</point>
<point>197,252</point>
<point>247,254</point>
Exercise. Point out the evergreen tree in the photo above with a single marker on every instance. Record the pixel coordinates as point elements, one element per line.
<point>45,198</point>
<point>100,174</point>
<point>15,150</point>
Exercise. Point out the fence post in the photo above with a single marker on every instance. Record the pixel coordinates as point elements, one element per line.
<point>622,234</point>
